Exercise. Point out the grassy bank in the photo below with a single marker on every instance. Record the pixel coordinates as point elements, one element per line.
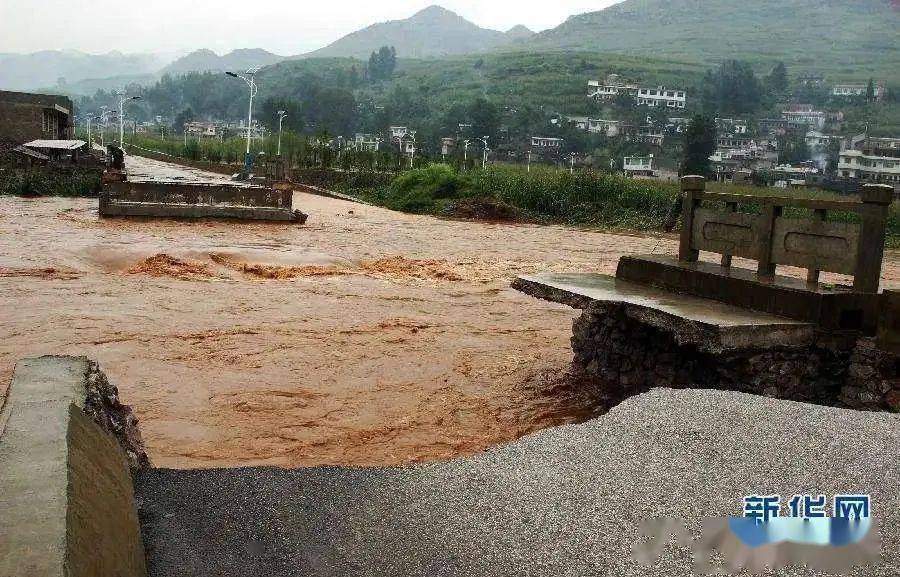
<point>550,196</point>
<point>49,182</point>
<point>542,195</point>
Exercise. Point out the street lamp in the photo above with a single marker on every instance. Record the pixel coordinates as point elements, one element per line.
<point>281,116</point>
<point>250,78</point>
<point>103,118</point>
<point>466,154</point>
<point>122,100</point>
<point>572,166</point>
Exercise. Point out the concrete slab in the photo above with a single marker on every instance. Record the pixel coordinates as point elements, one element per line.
<point>829,307</point>
<point>710,325</point>
<point>565,501</point>
<point>66,498</point>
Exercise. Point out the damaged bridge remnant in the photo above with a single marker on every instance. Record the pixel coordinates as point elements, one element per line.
<point>681,322</point>
<point>203,200</point>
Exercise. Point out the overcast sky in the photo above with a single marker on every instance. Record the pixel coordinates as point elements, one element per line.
<point>285,27</point>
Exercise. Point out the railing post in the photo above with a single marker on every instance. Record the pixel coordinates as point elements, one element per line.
<point>876,200</point>
<point>812,275</point>
<point>771,211</point>
<point>692,187</point>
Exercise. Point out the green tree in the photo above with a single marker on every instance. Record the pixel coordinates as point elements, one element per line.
<point>699,144</point>
<point>485,119</point>
<point>382,63</point>
<point>269,114</point>
<point>778,79</point>
<point>733,88</point>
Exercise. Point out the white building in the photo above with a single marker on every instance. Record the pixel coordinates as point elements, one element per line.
<point>544,142</point>
<point>202,129</point>
<point>638,165</point>
<point>851,90</point>
<point>364,141</point>
<point>816,141</point>
<point>815,119</point>
<point>873,168</point>
<point>609,89</point>
<point>661,96</point>
<point>609,128</point>
<point>400,131</point>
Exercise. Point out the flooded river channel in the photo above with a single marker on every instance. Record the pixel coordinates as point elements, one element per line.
<point>366,337</point>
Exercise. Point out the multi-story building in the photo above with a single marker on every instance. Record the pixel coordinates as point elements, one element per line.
<point>609,89</point>
<point>869,167</point>
<point>805,114</point>
<point>546,142</point>
<point>638,165</point>
<point>661,96</point>
<point>25,117</point>
<point>854,90</point>
<point>364,141</point>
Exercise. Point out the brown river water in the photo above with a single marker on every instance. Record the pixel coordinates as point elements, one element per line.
<point>366,337</point>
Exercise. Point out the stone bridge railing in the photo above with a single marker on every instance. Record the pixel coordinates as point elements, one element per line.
<point>772,238</point>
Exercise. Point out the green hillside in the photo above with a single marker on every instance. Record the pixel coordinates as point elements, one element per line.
<point>846,39</point>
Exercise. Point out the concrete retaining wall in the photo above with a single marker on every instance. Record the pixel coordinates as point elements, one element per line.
<point>67,503</point>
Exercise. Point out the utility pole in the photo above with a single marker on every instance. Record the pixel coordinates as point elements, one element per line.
<point>250,78</point>
<point>466,155</point>
<point>529,162</point>
<point>572,166</point>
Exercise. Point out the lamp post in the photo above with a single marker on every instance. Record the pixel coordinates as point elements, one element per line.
<point>103,118</point>
<point>466,154</point>
<point>528,169</point>
<point>250,78</point>
<point>572,165</point>
<point>281,116</point>
<point>122,100</point>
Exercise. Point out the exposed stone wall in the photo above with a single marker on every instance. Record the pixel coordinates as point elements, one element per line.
<point>873,379</point>
<point>630,357</point>
<point>102,404</point>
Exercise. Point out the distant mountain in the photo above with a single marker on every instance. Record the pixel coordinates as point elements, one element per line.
<point>519,33</point>
<point>236,60</point>
<point>857,34</point>
<point>60,67</point>
<point>432,32</point>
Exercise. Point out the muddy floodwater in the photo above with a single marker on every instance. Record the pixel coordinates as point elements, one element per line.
<point>366,337</point>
